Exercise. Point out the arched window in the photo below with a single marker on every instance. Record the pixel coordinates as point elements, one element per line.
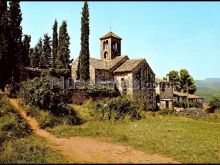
<point>106,44</point>
<point>105,55</point>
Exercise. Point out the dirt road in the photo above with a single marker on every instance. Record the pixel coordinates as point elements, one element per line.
<point>89,150</point>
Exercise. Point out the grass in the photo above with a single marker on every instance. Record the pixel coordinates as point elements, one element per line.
<point>17,145</point>
<point>185,139</point>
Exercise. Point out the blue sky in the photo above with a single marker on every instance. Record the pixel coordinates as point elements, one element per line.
<point>169,35</point>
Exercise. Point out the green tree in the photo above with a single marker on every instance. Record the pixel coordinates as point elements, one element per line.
<point>84,53</point>
<point>5,68</point>
<point>36,53</point>
<point>54,44</point>
<point>182,80</point>
<point>25,58</point>
<point>15,38</point>
<point>45,57</point>
<point>187,81</point>
<point>174,77</point>
<point>214,101</point>
<point>63,53</point>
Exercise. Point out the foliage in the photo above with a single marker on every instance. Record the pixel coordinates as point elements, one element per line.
<point>174,77</point>
<point>25,58</point>
<point>183,80</point>
<point>16,143</point>
<point>45,57</point>
<point>54,44</point>
<point>98,91</point>
<point>83,69</point>
<point>118,109</point>
<point>37,93</point>
<point>5,70</point>
<point>15,38</point>
<point>35,55</point>
<point>165,112</point>
<point>66,73</point>
<point>12,125</point>
<point>186,80</point>
<point>214,101</point>
<point>63,53</point>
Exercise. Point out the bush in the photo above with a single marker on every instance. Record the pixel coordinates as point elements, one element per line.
<point>99,91</point>
<point>215,101</point>
<point>118,109</point>
<point>165,112</point>
<point>37,93</point>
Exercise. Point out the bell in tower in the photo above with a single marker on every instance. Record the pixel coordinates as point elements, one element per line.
<point>110,46</point>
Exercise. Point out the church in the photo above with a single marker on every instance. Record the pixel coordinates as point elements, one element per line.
<point>131,75</point>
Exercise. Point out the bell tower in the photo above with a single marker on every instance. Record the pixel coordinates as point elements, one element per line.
<point>110,46</point>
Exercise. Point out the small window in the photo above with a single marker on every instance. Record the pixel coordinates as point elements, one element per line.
<point>105,55</point>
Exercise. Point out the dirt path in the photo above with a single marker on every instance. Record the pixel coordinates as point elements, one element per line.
<point>83,149</point>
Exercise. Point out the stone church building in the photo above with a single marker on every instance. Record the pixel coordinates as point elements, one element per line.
<point>130,75</point>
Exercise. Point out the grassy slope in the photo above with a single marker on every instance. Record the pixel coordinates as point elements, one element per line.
<point>29,148</point>
<point>185,139</point>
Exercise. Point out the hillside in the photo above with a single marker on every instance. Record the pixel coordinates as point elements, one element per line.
<point>208,87</point>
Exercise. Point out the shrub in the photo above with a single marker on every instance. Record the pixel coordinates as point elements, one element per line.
<point>215,101</point>
<point>99,91</point>
<point>165,112</point>
<point>37,93</point>
<point>117,109</point>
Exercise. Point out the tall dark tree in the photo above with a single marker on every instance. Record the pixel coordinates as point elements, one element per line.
<point>25,59</point>
<point>84,53</point>
<point>54,44</point>
<point>63,53</point>
<point>4,45</point>
<point>35,54</point>
<point>15,38</point>
<point>45,57</point>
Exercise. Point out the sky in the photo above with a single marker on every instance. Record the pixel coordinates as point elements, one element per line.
<point>169,35</point>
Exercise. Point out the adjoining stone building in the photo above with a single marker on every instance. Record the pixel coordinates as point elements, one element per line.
<point>167,96</point>
<point>130,75</point>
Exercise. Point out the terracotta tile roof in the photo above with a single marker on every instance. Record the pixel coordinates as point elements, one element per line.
<point>129,65</point>
<point>190,96</point>
<point>110,34</point>
<point>103,64</point>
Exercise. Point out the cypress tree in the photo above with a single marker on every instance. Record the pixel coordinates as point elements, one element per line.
<point>15,38</point>
<point>35,56</point>
<point>45,57</point>
<point>63,52</point>
<point>84,53</point>
<point>54,44</point>
<point>25,59</point>
<point>4,58</point>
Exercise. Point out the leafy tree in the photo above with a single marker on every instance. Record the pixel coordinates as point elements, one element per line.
<point>84,53</point>
<point>45,56</point>
<point>182,80</point>
<point>187,81</point>
<point>214,101</point>
<point>54,44</point>
<point>174,77</point>
<point>63,53</point>
<point>4,45</point>
<point>15,38</point>
<point>25,58</point>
